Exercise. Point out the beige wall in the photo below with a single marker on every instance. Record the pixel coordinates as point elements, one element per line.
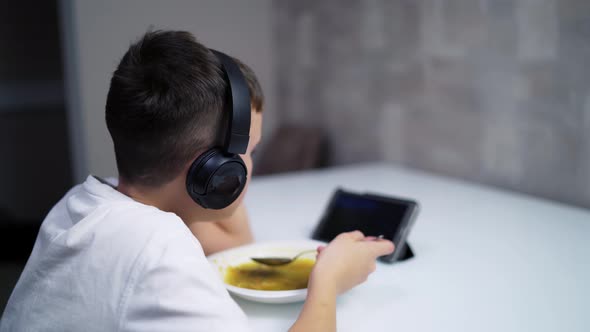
<point>97,33</point>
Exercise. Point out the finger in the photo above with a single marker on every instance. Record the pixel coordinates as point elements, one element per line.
<point>370,238</point>
<point>381,247</point>
<point>320,248</point>
<point>356,235</point>
<point>373,267</point>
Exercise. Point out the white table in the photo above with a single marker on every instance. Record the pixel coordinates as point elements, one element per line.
<point>486,260</point>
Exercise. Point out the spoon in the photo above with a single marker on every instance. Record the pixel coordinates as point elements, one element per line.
<point>278,261</point>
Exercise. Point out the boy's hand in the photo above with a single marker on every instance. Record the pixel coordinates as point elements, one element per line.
<point>344,263</point>
<point>347,261</point>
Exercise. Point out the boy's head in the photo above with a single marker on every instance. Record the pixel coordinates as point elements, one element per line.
<point>165,107</point>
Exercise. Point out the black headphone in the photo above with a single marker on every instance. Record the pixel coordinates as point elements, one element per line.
<point>218,176</point>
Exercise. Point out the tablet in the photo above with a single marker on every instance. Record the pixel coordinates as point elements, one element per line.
<point>373,214</point>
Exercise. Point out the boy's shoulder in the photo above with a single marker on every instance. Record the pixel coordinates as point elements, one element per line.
<point>117,247</point>
<point>95,221</point>
<point>94,209</point>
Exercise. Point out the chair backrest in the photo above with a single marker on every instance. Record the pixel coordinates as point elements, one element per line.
<point>293,148</point>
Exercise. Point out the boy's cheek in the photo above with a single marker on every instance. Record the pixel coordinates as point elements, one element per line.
<point>247,158</point>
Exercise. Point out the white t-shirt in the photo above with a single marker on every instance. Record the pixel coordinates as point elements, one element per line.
<point>105,262</point>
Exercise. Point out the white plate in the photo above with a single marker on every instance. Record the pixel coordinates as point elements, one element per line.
<point>236,256</point>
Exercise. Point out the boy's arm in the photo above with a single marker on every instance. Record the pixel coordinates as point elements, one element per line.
<point>227,233</point>
<point>318,312</point>
<point>175,289</point>
<point>333,275</point>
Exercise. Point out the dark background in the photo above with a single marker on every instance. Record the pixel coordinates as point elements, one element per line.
<point>35,168</point>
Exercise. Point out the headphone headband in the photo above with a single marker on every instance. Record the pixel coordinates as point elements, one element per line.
<point>218,176</point>
<point>238,103</point>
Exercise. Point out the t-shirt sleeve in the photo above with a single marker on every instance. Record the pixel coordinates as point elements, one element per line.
<point>177,290</point>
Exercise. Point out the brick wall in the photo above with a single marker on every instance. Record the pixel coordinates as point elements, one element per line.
<point>493,91</point>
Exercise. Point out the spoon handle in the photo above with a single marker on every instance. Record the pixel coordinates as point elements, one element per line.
<point>304,252</point>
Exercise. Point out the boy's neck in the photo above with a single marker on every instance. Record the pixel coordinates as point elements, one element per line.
<point>169,197</point>
<point>156,196</point>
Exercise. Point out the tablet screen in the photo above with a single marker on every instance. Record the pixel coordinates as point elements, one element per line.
<point>368,214</point>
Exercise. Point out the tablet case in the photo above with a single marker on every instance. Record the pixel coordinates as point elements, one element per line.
<point>406,252</point>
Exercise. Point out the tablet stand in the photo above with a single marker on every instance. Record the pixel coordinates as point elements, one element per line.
<point>406,253</point>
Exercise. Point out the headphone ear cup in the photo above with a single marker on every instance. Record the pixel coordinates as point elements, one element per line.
<point>216,179</point>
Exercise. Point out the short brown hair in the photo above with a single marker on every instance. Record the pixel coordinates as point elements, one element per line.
<point>165,105</point>
<point>256,95</point>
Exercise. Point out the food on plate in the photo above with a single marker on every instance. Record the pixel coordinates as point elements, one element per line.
<point>253,275</point>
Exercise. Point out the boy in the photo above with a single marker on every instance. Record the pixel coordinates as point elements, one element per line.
<point>123,258</point>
